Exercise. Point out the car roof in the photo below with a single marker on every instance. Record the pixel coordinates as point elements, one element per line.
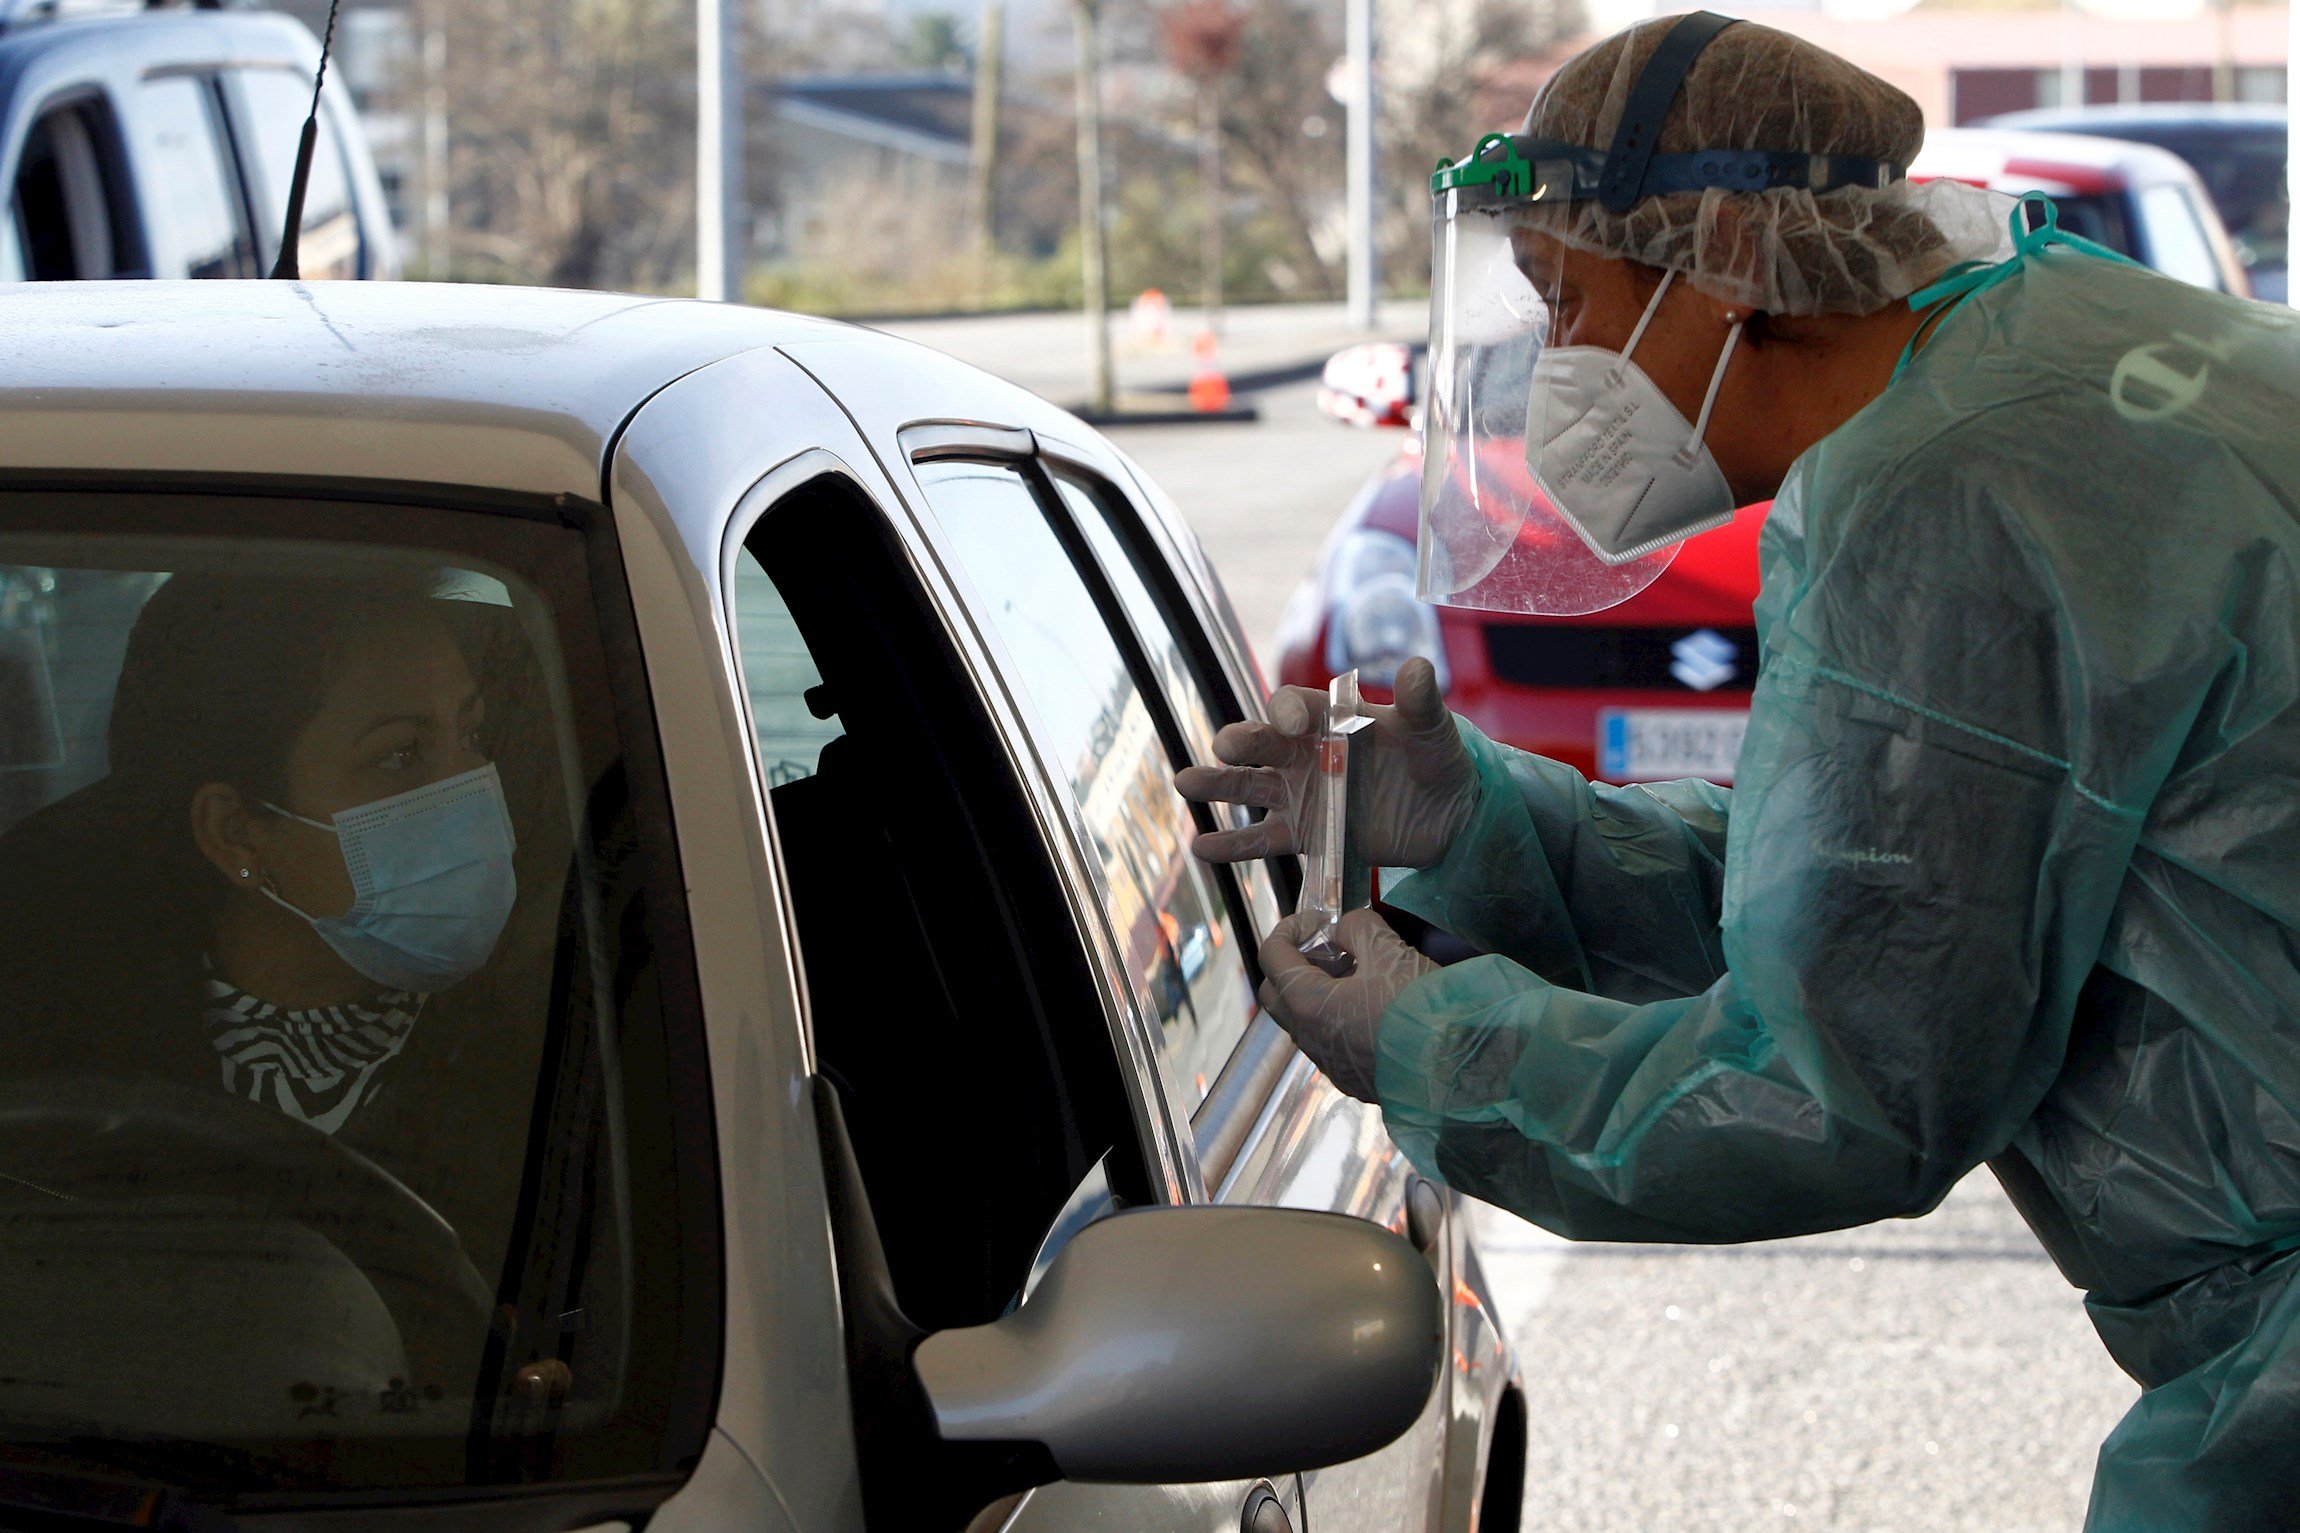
<point>515,389</point>
<point>2063,164</point>
<point>177,36</point>
<point>2106,119</point>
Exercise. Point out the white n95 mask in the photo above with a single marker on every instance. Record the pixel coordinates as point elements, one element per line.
<point>432,878</point>
<point>1615,456</point>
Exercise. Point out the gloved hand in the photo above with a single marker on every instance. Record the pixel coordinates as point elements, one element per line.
<point>1422,784</point>
<point>1334,1021</point>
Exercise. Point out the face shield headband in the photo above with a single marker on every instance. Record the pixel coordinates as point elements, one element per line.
<point>1495,426</point>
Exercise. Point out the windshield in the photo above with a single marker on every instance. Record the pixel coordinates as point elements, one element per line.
<point>333,1146</point>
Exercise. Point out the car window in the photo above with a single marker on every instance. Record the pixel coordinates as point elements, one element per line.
<point>1103,728</point>
<point>2176,241</point>
<point>337,1150</point>
<point>949,1001</point>
<point>786,690</point>
<point>1190,680</point>
<point>70,205</point>
<point>271,107</point>
<point>189,182</point>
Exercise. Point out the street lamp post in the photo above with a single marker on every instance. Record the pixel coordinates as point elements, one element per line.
<point>718,152</point>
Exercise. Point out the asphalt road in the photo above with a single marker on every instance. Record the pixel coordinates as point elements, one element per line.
<point>1922,1376</point>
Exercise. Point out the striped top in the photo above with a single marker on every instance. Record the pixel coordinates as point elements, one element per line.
<point>315,1065</point>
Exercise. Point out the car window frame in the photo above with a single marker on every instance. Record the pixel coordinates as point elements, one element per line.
<point>1172,1173</point>
<point>692,1402</point>
<point>1016,449</point>
<point>1241,1094</point>
<point>1234,1101</point>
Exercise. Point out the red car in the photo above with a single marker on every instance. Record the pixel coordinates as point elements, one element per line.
<point>1655,688</point>
<point>1658,687</point>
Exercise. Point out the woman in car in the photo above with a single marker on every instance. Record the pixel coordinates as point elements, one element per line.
<point>302,845</point>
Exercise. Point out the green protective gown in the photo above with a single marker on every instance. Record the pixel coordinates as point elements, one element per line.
<point>2011,874</point>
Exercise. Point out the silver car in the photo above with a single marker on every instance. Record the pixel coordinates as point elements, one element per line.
<point>596,932</point>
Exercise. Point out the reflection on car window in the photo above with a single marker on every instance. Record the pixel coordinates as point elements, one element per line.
<point>780,676</point>
<point>307,1161</point>
<point>1187,691</point>
<point>1099,729</point>
<point>190,183</point>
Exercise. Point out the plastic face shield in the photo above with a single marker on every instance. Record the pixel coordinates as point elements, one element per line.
<point>1490,539</point>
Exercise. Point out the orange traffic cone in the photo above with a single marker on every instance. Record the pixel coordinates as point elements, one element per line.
<point>1209,390</point>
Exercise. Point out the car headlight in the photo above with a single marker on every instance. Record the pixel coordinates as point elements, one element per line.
<point>1375,622</point>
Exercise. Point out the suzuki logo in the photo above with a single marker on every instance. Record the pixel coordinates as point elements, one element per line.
<point>1703,659</point>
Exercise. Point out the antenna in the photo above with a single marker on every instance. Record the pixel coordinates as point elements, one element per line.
<point>287,268</point>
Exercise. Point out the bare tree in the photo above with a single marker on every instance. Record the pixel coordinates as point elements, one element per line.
<point>574,138</point>
<point>1463,70</point>
<point>1203,39</point>
<point>1282,132</point>
<point>1093,259</point>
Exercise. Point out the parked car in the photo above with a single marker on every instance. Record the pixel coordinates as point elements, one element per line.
<point>863,1118</point>
<point>1658,687</point>
<point>148,142</point>
<point>2238,151</point>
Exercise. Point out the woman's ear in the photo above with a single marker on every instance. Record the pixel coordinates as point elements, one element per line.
<point>225,834</point>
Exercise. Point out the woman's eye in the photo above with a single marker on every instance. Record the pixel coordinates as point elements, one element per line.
<point>473,742</point>
<point>398,760</point>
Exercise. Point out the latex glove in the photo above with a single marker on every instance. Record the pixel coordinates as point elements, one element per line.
<point>1421,788</point>
<point>1335,1021</point>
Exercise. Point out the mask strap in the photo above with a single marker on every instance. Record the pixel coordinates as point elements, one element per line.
<point>1692,448</point>
<point>301,819</point>
<point>1652,307</point>
<point>268,892</point>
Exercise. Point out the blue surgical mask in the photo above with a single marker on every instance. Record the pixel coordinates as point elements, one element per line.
<point>431,872</point>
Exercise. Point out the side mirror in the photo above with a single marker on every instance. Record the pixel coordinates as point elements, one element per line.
<point>1186,1344</point>
<point>1369,385</point>
<point>1164,1345</point>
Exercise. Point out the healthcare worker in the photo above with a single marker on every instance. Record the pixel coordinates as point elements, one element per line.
<point>2011,872</point>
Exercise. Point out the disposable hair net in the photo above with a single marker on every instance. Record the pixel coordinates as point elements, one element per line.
<point>1784,250</point>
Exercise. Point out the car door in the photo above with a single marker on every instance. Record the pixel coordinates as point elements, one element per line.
<point>953,999</point>
<point>1117,700</point>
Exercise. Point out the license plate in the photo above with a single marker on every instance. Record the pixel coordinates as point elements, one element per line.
<point>1646,744</point>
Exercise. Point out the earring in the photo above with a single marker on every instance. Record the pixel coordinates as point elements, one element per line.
<point>1732,318</point>
<point>244,873</point>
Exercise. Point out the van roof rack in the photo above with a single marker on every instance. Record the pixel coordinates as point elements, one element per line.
<point>17,13</point>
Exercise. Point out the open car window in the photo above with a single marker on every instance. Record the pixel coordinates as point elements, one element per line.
<point>348,1010</point>
<point>950,1002</point>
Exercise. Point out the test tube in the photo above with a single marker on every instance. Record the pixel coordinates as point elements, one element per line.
<point>1326,861</point>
